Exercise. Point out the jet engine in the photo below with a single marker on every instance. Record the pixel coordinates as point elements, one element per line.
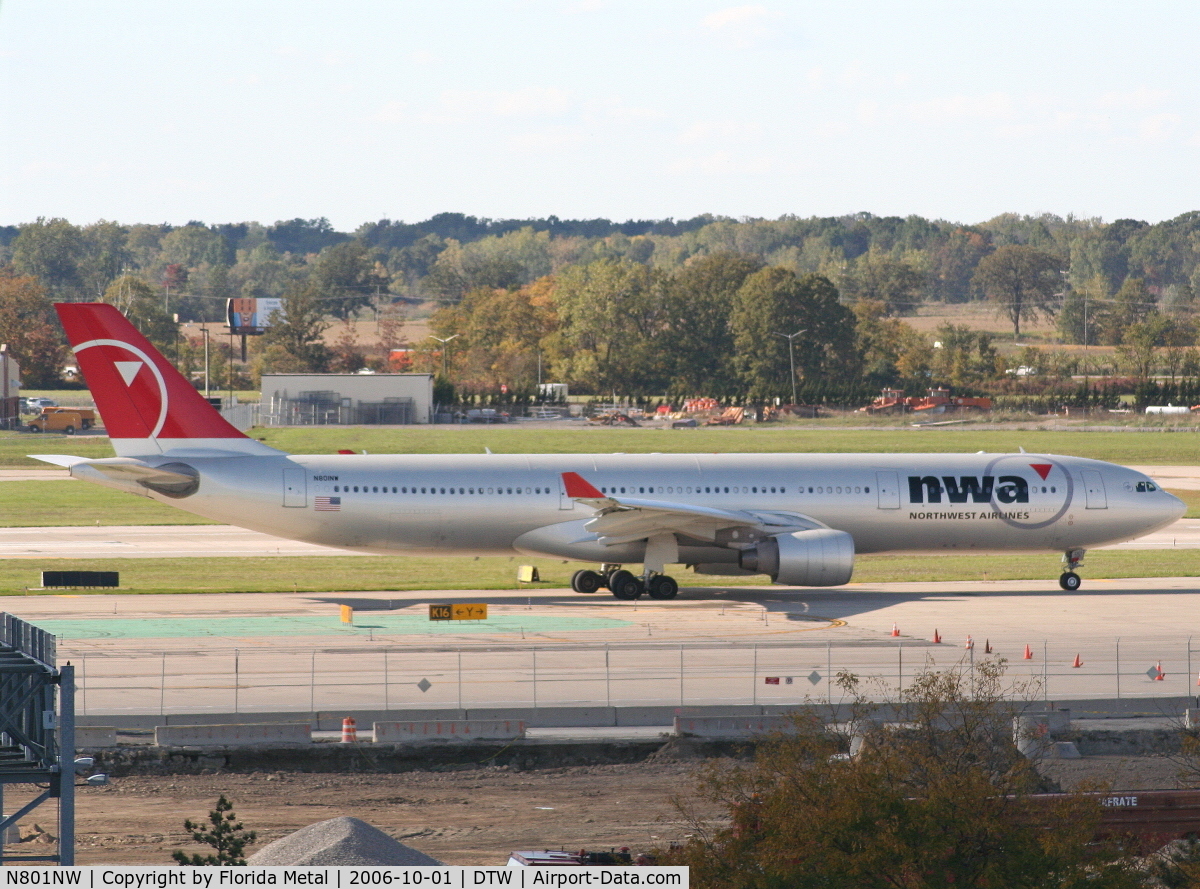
<point>821,557</point>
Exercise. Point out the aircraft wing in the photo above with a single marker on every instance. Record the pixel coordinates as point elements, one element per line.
<point>626,519</point>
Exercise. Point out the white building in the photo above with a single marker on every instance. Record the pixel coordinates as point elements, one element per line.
<point>346,399</point>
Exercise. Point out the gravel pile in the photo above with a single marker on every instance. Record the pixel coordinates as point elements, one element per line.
<point>338,841</point>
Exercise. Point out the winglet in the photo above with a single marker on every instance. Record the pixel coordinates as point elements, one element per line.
<point>579,487</point>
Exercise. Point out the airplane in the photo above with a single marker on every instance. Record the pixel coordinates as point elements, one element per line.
<point>798,518</point>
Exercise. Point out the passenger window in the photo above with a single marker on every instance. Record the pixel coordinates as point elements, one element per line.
<point>356,489</point>
<point>335,489</point>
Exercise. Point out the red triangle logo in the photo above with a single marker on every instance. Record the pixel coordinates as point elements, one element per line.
<point>1042,469</point>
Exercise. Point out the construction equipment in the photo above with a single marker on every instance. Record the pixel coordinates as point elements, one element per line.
<point>731,417</point>
<point>935,401</point>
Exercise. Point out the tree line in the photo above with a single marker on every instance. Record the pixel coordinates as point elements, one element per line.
<point>701,306</point>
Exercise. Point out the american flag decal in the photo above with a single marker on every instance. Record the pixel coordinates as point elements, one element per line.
<point>327,504</point>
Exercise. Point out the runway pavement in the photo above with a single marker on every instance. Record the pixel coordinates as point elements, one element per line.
<point>712,646</point>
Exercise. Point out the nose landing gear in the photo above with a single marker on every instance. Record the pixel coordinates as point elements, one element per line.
<point>1072,559</point>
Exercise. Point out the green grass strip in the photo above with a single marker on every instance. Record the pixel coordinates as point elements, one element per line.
<point>336,574</point>
<point>1159,446</point>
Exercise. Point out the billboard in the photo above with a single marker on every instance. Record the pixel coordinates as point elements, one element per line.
<point>251,315</point>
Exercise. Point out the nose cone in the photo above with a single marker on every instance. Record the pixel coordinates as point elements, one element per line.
<point>1173,508</point>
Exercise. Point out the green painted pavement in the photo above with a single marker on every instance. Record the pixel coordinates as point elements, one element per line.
<point>318,625</point>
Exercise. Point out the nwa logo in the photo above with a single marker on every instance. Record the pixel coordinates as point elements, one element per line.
<point>967,488</point>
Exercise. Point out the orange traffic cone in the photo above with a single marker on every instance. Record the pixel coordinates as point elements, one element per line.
<point>987,646</point>
<point>349,731</point>
<point>1078,662</point>
<point>895,630</point>
<point>970,646</point>
<point>1158,671</point>
<point>937,639</point>
<point>1028,654</point>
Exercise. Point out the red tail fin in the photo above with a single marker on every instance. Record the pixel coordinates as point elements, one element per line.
<point>146,404</point>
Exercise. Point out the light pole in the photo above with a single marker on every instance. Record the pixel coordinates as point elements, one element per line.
<point>792,356</point>
<point>445,371</point>
<point>204,330</point>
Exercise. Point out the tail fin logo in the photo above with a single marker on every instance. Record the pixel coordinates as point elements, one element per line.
<point>129,371</point>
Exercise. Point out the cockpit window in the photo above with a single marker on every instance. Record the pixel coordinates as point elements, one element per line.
<point>1142,487</point>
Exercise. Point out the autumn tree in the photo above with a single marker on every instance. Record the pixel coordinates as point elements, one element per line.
<point>893,352</point>
<point>1131,304</point>
<point>347,279</point>
<point>698,338</point>
<point>1023,282</point>
<point>613,314</point>
<point>962,356</point>
<point>142,305</point>
<point>879,276</point>
<point>31,330</point>
<point>294,342</point>
<point>773,302</point>
<point>50,250</point>
<point>501,335</point>
<point>940,797</point>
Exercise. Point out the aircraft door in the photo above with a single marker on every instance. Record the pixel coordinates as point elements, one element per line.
<point>295,488</point>
<point>887,485</point>
<point>1093,486</point>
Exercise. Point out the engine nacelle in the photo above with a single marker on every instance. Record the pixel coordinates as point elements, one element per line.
<point>821,557</point>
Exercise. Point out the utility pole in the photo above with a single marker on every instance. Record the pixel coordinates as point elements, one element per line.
<point>792,356</point>
<point>204,330</point>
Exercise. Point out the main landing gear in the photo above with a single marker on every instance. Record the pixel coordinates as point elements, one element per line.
<point>1072,559</point>
<point>625,584</point>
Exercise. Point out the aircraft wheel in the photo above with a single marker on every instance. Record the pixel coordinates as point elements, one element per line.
<point>585,581</point>
<point>663,587</point>
<point>625,585</point>
<point>1070,581</point>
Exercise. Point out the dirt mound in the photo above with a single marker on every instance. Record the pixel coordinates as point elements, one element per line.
<point>339,841</point>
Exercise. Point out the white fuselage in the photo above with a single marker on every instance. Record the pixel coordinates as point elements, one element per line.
<point>501,504</point>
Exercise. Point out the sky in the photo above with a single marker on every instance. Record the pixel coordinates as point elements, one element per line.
<point>237,110</point>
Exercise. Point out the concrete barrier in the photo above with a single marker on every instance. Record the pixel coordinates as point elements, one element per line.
<point>1034,731</point>
<point>232,735</point>
<point>731,726</point>
<point>88,737</point>
<point>449,730</point>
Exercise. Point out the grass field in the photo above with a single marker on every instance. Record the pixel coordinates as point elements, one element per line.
<point>1163,446</point>
<point>322,574</point>
<point>42,504</point>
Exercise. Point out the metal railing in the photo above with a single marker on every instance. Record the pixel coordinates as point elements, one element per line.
<point>385,676</point>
